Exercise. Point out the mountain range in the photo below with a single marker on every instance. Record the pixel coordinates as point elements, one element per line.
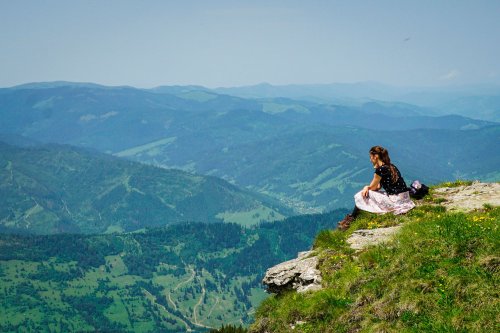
<point>128,209</point>
<point>481,101</point>
<point>310,155</point>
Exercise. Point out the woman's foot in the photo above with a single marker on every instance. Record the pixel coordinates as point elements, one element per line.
<point>346,222</point>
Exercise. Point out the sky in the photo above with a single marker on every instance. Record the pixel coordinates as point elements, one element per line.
<point>222,43</point>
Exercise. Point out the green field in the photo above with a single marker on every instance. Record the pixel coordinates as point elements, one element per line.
<point>185,277</point>
<point>148,148</point>
<point>251,217</point>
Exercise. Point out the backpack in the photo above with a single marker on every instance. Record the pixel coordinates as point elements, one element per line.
<point>418,190</point>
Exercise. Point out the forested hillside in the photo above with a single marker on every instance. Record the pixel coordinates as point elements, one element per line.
<point>183,277</point>
<point>55,189</point>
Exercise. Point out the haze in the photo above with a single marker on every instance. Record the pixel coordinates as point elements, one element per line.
<point>234,43</point>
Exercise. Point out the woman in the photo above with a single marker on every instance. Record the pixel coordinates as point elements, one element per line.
<point>395,199</point>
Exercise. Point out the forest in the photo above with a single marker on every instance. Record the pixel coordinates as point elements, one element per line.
<point>194,276</point>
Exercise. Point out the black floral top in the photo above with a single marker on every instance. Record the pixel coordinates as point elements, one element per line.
<point>397,187</point>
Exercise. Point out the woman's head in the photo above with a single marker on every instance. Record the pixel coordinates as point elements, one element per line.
<point>378,153</point>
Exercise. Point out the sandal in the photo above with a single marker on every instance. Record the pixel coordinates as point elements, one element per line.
<point>345,223</point>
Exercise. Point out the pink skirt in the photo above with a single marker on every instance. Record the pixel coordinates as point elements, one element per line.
<point>381,202</point>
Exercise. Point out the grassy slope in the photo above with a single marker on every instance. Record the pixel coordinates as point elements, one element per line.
<point>440,274</point>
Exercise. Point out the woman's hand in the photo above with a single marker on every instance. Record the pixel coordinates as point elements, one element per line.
<point>375,185</point>
<point>364,192</point>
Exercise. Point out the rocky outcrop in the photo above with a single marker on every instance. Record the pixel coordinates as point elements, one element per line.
<point>300,274</point>
<point>470,197</point>
<point>361,239</point>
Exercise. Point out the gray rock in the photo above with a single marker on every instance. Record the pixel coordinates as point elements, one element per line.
<point>360,239</point>
<point>300,274</point>
<point>467,198</point>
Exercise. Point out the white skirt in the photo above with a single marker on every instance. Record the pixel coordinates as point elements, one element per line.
<point>381,202</point>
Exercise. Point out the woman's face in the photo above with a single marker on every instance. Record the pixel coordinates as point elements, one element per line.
<point>373,158</point>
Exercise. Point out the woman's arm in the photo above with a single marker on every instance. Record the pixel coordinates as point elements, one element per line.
<point>374,185</point>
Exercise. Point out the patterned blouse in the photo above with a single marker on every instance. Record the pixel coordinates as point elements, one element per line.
<point>399,186</point>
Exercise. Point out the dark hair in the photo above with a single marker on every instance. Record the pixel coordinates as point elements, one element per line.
<point>383,154</point>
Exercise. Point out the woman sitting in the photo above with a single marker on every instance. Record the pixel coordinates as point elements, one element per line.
<point>395,199</point>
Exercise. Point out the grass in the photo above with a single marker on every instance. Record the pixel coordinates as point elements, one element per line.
<point>440,274</point>
<point>251,217</point>
<point>455,183</point>
<point>146,147</point>
<point>114,229</point>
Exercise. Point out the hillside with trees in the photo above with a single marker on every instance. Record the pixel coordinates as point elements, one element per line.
<point>61,189</point>
<point>190,276</point>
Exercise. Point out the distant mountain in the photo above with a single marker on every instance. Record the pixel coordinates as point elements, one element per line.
<point>480,107</point>
<point>309,155</point>
<point>59,84</point>
<point>474,101</point>
<point>380,116</point>
<point>52,189</point>
<point>330,93</point>
<point>18,140</point>
<point>175,90</point>
<point>109,119</point>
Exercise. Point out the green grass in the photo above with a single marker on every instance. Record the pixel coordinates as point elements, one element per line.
<point>114,229</point>
<point>440,274</point>
<point>146,148</point>
<point>117,311</point>
<point>455,183</point>
<point>251,217</point>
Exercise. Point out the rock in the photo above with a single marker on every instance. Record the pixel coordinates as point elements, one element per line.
<point>300,274</point>
<point>360,239</point>
<point>297,323</point>
<point>470,197</point>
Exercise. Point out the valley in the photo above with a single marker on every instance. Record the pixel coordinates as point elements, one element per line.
<point>183,277</point>
<point>147,210</point>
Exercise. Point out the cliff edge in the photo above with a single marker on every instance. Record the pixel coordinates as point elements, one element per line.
<point>433,269</point>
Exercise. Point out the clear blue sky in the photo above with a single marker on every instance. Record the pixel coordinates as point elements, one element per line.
<point>232,43</point>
